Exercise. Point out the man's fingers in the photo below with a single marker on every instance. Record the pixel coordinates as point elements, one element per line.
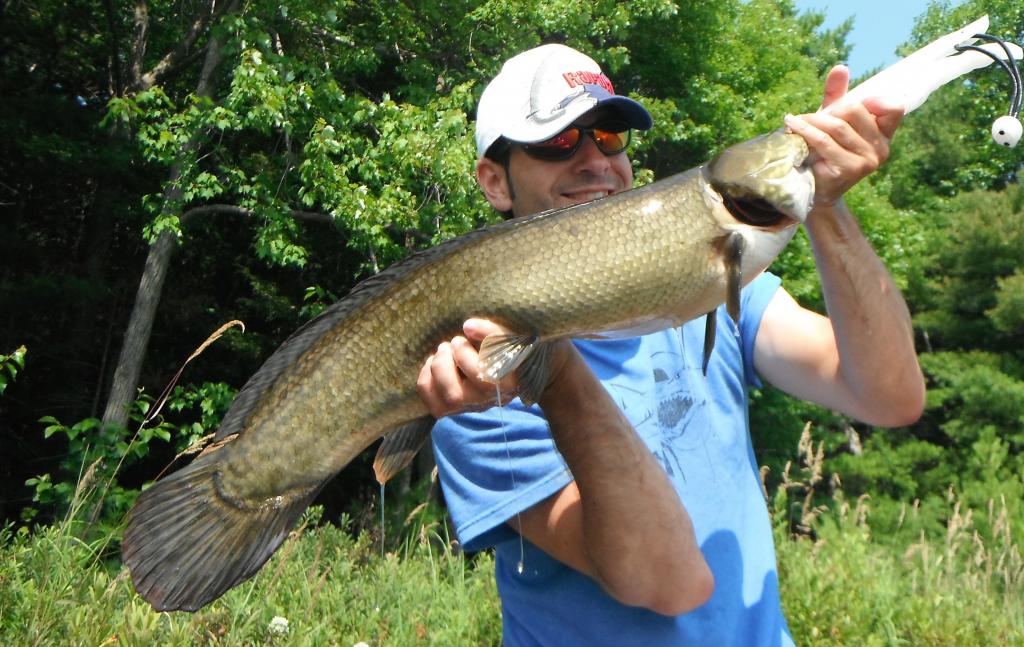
<point>817,139</point>
<point>888,115</point>
<point>447,378</point>
<point>468,360</point>
<point>836,84</point>
<point>477,329</point>
<point>847,145</point>
<point>853,128</point>
<point>426,389</point>
<point>450,380</point>
<point>466,357</point>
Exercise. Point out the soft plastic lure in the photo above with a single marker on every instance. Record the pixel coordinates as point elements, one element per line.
<point>911,79</point>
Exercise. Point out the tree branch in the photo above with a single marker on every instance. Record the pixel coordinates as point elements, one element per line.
<point>182,54</point>
<point>147,298</point>
<point>213,209</point>
<point>117,83</point>
<point>317,217</point>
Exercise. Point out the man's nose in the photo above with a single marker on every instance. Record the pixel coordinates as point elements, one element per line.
<point>589,157</point>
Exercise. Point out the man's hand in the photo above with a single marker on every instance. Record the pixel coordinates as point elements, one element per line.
<point>450,379</point>
<point>860,360</point>
<point>848,143</point>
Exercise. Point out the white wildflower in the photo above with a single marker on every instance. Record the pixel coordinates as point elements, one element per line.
<point>278,626</point>
<point>360,644</point>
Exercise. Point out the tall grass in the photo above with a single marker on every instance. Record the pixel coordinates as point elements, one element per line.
<point>332,589</point>
<point>332,585</point>
<point>841,586</point>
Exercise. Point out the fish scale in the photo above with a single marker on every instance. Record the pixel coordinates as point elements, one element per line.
<point>634,262</point>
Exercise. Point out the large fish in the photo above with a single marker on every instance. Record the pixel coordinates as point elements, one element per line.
<point>635,262</point>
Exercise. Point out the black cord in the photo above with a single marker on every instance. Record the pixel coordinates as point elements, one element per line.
<point>1015,100</point>
<point>1009,65</point>
<point>1013,65</point>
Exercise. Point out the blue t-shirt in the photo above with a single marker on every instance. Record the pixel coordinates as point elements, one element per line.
<point>499,462</point>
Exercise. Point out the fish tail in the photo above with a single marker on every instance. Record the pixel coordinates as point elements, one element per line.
<point>186,543</point>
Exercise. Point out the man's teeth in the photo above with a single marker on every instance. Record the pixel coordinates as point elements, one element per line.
<point>588,196</point>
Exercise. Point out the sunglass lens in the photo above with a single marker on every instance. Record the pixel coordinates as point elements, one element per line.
<point>610,142</point>
<point>561,146</point>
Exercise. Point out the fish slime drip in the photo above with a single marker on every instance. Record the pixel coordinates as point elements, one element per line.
<point>512,473</point>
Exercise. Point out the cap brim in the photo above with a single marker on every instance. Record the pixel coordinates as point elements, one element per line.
<point>629,111</point>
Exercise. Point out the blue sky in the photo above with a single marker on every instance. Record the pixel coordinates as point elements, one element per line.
<point>878,27</point>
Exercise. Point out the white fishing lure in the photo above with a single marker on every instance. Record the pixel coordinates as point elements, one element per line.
<point>912,79</point>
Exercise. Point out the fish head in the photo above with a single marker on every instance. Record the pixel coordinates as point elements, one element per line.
<point>763,181</point>
<point>760,189</point>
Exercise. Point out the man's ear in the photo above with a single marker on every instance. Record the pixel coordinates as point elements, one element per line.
<point>494,181</point>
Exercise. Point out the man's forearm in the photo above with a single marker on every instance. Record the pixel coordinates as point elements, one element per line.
<point>637,538</point>
<point>872,325</point>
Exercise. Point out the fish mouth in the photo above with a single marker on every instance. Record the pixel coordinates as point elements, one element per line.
<point>764,182</point>
<point>756,212</point>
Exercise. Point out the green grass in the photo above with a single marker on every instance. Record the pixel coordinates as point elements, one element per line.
<point>840,584</point>
<point>333,589</point>
<point>843,586</point>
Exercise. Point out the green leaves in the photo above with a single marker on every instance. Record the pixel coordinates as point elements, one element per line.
<point>371,122</point>
<point>1008,313</point>
<point>102,450</point>
<point>362,113</point>
<point>10,365</point>
<point>73,432</point>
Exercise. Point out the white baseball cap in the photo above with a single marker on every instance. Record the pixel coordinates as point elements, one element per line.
<point>540,92</point>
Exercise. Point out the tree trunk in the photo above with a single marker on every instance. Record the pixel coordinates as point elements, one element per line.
<point>140,324</point>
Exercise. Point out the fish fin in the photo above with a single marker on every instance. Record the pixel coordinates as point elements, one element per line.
<point>534,372</point>
<point>710,326</point>
<point>732,253</point>
<point>502,354</point>
<point>186,543</point>
<point>400,447</point>
<point>734,247</point>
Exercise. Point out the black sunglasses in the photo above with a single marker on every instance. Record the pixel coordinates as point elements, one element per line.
<point>611,138</point>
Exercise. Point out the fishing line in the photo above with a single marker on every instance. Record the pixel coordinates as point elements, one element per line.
<point>382,520</point>
<point>512,473</point>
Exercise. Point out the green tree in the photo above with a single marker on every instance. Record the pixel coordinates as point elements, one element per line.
<point>254,159</point>
<point>946,148</point>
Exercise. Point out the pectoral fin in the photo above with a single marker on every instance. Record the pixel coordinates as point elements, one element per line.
<point>734,247</point>
<point>502,354</point>
<point>400,447</point>
<point>710,326</point>
<point>732,257</point>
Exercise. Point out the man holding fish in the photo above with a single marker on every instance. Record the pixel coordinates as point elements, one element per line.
<point>626,506</point>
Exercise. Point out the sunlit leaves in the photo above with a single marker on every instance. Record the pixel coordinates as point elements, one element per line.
<point>10,365</point>
<point>1008,313</point>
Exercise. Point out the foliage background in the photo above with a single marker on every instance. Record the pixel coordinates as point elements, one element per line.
<point>253,160</point>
